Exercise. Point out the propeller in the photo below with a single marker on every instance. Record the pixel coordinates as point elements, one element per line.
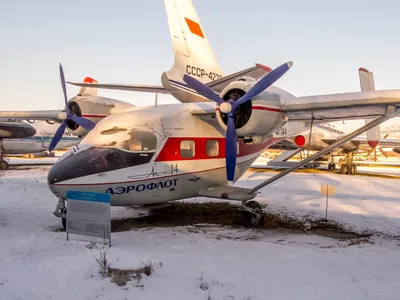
<point>231,106</point>
<point>85,123</point>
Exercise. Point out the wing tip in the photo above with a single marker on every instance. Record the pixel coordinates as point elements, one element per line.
<point>361,69</point>
<point>264,67</point>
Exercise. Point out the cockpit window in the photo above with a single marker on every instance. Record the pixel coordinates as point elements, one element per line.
<point>141,141</point>
<point>138,140</point>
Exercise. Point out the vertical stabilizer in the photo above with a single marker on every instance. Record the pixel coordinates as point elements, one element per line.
<point>193,53</point>
<point>88,91</point>
<point>367,83</point>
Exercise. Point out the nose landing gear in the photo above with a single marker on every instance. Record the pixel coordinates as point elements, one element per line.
<point>61,212</point>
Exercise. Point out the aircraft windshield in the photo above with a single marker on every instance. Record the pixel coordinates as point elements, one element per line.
<point>140,141</point>
<point>136,140</point>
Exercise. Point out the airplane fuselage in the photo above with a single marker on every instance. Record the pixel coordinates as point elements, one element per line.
<point>184,155</point>
<point>38,141</point>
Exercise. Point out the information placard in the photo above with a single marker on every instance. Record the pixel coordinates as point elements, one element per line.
<point>89,214</point>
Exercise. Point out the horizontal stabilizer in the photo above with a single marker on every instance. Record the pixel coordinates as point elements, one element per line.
<point>217,85</point>
<point>255,72</point>
<point>158,89</point>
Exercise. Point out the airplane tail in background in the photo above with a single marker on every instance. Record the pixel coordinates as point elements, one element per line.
<point>367,83</point>
<point>193,53</point>
<point>88,91</point>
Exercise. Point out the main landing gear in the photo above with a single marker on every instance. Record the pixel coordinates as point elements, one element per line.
<point>332,164</point>
<point>61,212</point>
<point>347,166</point>
<point>252,213</point>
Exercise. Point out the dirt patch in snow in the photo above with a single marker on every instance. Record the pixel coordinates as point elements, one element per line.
<point>184,214</point>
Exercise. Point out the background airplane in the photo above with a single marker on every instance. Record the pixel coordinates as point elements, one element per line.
<point>323,135</point>
<point>34,136</point>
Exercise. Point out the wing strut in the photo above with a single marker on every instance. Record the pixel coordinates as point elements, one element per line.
<point>390,113</point>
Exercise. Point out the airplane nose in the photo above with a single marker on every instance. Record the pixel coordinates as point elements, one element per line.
<point>94,161</point>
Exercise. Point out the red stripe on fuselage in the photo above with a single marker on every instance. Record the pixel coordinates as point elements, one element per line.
<point>171,150</point>
<point>93,116</point>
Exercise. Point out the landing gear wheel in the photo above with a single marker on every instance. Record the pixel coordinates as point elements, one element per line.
<point>331,166</point>
<point>252,215</point>
<point>3,164</point>
<point>352,169</point>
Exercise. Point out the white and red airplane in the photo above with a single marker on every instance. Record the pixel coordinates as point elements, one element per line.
<point>156,154</point>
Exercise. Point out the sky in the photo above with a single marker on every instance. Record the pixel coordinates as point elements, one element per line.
<point>128,41</point>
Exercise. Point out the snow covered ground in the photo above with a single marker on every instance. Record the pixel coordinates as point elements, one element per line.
<point>36,261</point>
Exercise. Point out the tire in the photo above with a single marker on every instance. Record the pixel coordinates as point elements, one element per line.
<point>249,219</point>
<point>3,165</point>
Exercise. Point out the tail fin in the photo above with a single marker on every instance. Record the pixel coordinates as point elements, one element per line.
<point>193,53</point>
<point>367,83</point>
<point>88,91</point>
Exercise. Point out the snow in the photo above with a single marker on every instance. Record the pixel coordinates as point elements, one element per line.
<point>194,262</point>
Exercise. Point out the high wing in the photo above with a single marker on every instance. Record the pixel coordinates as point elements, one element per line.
<point>333,107</point>
<point>362,141</point>
<point>44,115</point>
<point>216,85</point>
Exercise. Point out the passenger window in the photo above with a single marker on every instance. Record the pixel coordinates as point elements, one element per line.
<point>212,148</point>
<point>187,149</point>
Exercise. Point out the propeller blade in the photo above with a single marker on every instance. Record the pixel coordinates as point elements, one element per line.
<point>63,86</point>
<point>85,123</point>
<point>265,82</point>
<point>202,89</point>
<point>230,148</point>
<point>57,136</point>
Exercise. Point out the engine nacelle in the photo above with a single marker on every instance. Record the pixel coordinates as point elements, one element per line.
<point>260,116</point>
<point>314,144</point>
<point>94,108</point>
<point>350,146</point>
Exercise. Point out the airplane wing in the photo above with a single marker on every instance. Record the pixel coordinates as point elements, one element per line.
<point>44,115</point>
<point>362,141</point>
<point>216,85</point>
<point>333,107</point>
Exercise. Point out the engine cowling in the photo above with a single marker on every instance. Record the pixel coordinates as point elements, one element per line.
<point>259,117</point>
<point>350,146</point>
<point>94,108</point>
<point>315,143</point>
